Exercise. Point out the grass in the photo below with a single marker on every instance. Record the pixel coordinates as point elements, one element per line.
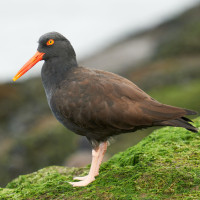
<point>164,165</point>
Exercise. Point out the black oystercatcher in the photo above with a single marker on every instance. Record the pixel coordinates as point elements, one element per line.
<point>95,103</point>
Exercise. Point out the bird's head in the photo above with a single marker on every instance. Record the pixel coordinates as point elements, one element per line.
<point>51,45</point>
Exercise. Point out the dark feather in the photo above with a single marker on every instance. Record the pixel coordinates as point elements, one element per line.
<point>100,104</point>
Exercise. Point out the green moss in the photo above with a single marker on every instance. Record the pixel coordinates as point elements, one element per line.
<point>165,165</point>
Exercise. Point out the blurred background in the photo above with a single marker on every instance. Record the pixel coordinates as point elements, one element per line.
<point>153,43</point>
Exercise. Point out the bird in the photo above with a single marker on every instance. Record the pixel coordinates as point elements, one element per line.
<point>94,103</point>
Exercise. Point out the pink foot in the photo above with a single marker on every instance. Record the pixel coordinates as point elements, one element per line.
<point>97,156</point>
<point>81,178</point>
<point>85,182</point>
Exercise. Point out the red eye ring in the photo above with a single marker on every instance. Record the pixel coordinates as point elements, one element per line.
<point>50,42</point>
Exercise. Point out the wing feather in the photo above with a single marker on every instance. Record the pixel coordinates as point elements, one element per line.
<point>102,99</point>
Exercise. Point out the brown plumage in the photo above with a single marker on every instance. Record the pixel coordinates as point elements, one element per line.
<point>101,104</point>
<point>94,103</point>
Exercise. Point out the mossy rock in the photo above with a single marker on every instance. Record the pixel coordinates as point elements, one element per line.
<point>165,165</point>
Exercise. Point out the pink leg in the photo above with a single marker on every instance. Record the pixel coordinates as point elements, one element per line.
<point>97,157</point>
<point>103,148</point>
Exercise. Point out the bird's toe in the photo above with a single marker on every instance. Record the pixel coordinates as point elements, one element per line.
<point>82,183</point>
<point>80,178</point>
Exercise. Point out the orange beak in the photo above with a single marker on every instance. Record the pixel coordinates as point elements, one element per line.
<point>36,58</point>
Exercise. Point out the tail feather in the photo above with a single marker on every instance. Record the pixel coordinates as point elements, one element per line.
<point>186,119</point>
<point>181,122</point>
<point>166,115</point>
<point>190,112</point>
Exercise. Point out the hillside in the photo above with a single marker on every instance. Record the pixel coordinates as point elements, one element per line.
<point>165,165</point>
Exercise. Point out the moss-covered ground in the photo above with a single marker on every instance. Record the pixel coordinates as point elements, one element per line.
<point>164,165</point>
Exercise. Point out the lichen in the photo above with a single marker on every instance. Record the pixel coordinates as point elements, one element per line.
<point>164,165</point>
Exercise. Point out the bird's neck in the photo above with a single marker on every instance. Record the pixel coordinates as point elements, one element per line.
<point>55,70</point>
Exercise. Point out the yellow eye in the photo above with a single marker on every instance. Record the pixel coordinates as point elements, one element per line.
<point>50,42</point>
